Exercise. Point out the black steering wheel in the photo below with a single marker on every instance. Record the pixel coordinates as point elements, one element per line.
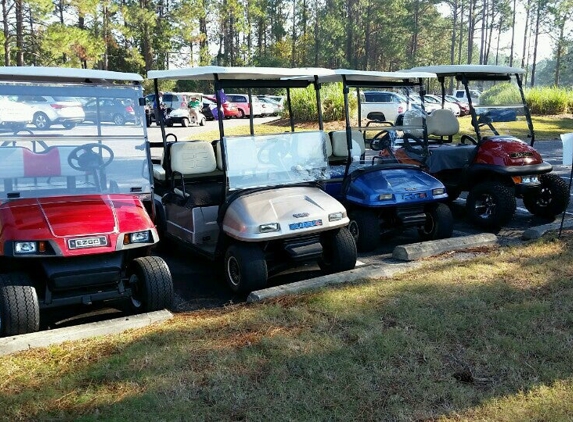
<point>381,141</point>
<point>465,138</point>
<point>87,157</point>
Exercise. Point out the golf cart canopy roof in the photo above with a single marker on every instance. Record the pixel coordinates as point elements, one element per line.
<point>243,76</point>
<point>59,74</point>
<point>365,77</point>
<point>471,71</point>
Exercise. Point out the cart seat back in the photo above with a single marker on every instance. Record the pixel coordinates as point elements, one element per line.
<point>191,158</point>
<point>340,145</point>
<point>12,162</point>
<point>442,122</point>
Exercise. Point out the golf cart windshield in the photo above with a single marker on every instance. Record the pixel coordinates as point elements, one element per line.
<point>275,160</point>
<point>501,110</point>
<point>71,139</point>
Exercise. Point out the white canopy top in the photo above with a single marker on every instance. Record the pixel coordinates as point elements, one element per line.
<point>211,73</point>
<point>471,70</point>
<point>358,76</point>
<point>64,74</point>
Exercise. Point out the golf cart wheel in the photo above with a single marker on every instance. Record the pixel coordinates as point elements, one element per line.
<point>439,223</point>
<point>453,194</point>
<point>151,284</point>
<point>202,121</point>
<point>245,267</point>
<point>552,200</point>
<point>184,122</point>
<point>19,307</point>
<point>490,205</point>
<point>338,251</point>
<point>365,229</point>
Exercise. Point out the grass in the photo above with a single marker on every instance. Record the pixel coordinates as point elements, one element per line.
<point>483,339</point>
<point>547,128</point>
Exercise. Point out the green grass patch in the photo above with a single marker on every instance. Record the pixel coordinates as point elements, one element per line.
<point>484,339</point>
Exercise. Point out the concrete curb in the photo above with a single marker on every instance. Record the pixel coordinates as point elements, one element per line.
<point>538,231</point>
<point>113,326</point>
<point>419,250</point>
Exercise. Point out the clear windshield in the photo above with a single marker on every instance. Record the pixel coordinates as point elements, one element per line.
<point>275,160</point>
<point>499,109</point>
<point>71,139</point>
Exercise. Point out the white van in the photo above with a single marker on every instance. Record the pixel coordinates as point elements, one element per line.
<point>460,94</point>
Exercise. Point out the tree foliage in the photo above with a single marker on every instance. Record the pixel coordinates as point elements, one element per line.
<point>387,35</point>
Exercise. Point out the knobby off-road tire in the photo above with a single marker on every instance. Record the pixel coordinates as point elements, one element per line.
<point>151,283</point>
<point>19,307</point>
<point>365,229</point>
<point>439,223</point>
<point>338,251</point>
<point>245,267</point>
<point>552,200</point>
<point>490,205</point>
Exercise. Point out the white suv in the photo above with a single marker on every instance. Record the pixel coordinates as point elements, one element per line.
<point>460,94</point>
<point>390,103</point>
<point>54,110</point>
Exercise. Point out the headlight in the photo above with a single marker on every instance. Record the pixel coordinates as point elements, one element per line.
<point>438,191</point>
<point>137,237</point>
<point>269,228</point>
<point>22,248</point>
<point>386,197</point>
<point>335,216</point>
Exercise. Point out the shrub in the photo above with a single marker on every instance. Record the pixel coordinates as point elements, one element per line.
<point>549,100</point>
<point>503,93</point>
<point>303,102</point>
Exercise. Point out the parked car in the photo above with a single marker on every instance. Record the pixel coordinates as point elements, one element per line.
<point>109,110</point>
<point>14,115</point>
<point>48,111</point>
<point>241,101</point>
<point>390,103</point>
<point>434,99</point>
<point>461,95</point>
<point>272,107</point>
<point>229,109</point>
<point>463,105</point>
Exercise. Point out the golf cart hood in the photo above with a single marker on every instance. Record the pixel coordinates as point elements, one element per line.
<point>296,210</point>
<point>61,218</point>
<point>506,151</point>
<point>393,186</point>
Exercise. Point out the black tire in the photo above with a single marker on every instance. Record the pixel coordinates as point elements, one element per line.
<point>552,200</point>
<point>365,229</point>
<point>19,307</point>
<point>41,121</point>
<point>202,121</point>
<point>245,267</point>
<point>184,122</point>
<point>338,251</point>
<point>119,120</point>
<point>168,123</point>
<point>151,284</point>
<point>69,125</point>
<point>490,205</point>
<point>241,114</point>
<point>439,223</point>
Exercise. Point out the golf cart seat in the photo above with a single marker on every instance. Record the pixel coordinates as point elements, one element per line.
<point>377,117</point>
<point>337,162</point>
<point>442,123</point>
<point>195,174</point>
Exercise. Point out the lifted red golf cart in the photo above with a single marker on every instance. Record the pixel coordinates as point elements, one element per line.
<point>75,224</point>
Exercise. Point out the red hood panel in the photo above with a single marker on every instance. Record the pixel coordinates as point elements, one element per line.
<point>79,216</point>
<point>506,151</point>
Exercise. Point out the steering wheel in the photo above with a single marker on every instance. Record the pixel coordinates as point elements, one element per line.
<point>465,138</point>
<point>382,140</point>
<point>89,159</point>
<point>272,152</point>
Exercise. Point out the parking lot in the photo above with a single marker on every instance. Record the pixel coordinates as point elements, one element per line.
<point>199,284</point>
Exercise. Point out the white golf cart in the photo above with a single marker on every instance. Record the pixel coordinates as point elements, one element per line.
<point>252,202</point>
